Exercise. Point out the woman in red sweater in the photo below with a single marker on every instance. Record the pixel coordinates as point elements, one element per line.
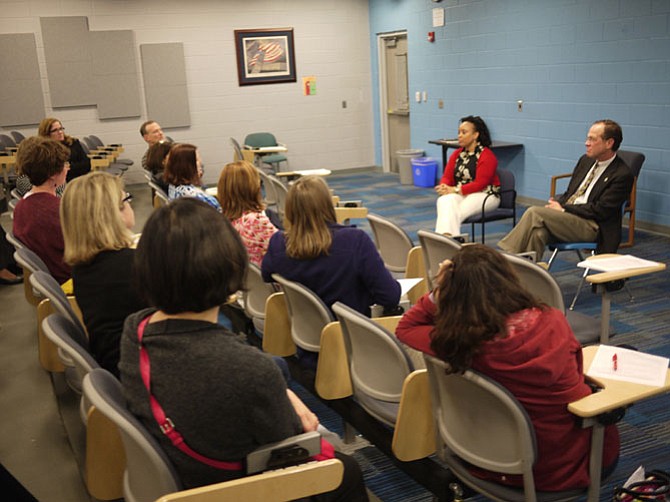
<point>470,175</point>
<point>481,317</point>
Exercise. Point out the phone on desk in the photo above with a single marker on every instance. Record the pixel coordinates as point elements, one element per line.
<point>290,451</point>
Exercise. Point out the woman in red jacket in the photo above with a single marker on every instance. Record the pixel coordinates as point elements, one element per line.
<point>481,317</point>
<point>470,175</point>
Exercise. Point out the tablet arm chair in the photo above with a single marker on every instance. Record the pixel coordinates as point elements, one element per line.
<point>150,475</point>
<point>506,209</point>
<point>392,242</point>
<point>256,293</point>
<point>377,363</point>
<point>436,248</point>
<point>264,140</point>
<point>544,287</point>
<point>481,423</point>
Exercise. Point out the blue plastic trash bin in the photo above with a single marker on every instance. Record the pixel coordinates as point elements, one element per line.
<point>424,170</point>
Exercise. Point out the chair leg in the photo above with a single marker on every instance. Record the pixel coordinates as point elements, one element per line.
<point>472,231</point>
<point>579,288</point>
<point>551,259</point>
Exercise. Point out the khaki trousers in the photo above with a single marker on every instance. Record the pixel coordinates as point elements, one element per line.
<point>540,225</point>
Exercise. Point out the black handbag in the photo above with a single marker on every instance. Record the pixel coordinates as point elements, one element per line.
<point>656,486</point>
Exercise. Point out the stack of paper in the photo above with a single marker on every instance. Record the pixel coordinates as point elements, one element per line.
<point>628,365</point>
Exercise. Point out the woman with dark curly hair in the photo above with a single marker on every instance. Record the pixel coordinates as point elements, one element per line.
<point>469,176</point>
<point>481,317</point>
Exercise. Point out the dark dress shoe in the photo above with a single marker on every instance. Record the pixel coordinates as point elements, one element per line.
<point>9,282</point>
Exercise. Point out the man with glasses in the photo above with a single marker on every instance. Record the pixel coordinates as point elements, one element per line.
<point>590,209</point>
<point>152,133</point>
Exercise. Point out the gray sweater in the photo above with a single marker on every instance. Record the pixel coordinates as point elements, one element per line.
<point>226,398</point>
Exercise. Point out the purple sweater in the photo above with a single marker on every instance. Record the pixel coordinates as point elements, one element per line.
<point>352,272</point>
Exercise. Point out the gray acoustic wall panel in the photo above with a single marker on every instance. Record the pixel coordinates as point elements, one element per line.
<point>91,67</point>
<point>114,72</point>
<point>68,60</point>
<point>21,97</point>
<point>165,84</point>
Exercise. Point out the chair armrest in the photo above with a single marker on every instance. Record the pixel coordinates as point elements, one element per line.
<point>344,214</point>
<point>389,323</point>
<point>554,179</point>
<point>414,433</point>
<point>333,380</point>
<point>292,483</point>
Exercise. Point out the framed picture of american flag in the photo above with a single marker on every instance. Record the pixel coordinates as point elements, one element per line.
<point>265,56</point>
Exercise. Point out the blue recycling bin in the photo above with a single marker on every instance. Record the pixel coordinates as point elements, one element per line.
<point>424,171</point>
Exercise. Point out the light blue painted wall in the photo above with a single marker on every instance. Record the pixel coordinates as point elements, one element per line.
<point>570,61</point>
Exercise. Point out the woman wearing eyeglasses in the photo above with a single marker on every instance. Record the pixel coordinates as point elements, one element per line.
<point>101,257</point>
<point>80,164</point>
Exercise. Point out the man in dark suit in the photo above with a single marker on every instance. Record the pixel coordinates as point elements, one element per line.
<point>590,209</point>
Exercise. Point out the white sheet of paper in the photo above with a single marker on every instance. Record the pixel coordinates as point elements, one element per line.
<point>616,263</point>
<point>407,284</point>
<point>631,366</point>
<point>314,172</point>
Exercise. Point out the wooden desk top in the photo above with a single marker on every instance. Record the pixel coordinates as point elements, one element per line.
<point>8,160</point>
<point>614,394</point>
<point>453,143</point>
<point>621,274</point>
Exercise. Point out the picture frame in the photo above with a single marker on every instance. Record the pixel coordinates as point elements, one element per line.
<point>265,56</point>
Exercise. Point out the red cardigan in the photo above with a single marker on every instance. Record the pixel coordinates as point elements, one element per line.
<point>37,225</point>
<point>540,363</point>
<point>485,175</point>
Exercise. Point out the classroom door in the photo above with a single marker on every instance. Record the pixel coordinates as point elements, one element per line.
<point>394,94</point>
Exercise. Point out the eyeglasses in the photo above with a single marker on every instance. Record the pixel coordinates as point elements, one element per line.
<point>127,198</point>
<point>60,129</point>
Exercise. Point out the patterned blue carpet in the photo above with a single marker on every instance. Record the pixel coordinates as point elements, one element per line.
<point>643,323</point>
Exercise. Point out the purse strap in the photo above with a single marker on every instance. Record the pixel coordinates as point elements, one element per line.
<point>655,487</point>
<point>164,423</point>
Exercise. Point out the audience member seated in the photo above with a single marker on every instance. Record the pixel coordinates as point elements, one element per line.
<point>239,193</point>
<point>97,220</point>
<point>481,317</point>
<point>183,173</point>
<point>36,218</point>
<point>469,177</point>
<point>80,164</point>
<point>10,272</point>
<point>152,133</point>
<point>338,263</point>
<point>155,162</point>
<point>224,397</point>
<point>590,209</point>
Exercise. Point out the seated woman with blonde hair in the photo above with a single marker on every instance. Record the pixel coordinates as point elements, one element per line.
<point>239,193</point>
<point>481,317</point>
<point>183,172</point>
<point>338,263</point>
<point>97,220</point>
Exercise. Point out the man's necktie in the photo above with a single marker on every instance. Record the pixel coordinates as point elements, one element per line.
<point>584,186</point>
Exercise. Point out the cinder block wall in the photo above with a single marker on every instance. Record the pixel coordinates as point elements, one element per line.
<point>570,61</point>
<point>331,43</point>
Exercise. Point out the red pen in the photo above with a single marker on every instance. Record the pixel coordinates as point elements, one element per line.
<point>614,362</point>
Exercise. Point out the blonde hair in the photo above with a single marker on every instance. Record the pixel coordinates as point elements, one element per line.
<point>239,189</point>
<point>309,211</point>
<point>90,214</point>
